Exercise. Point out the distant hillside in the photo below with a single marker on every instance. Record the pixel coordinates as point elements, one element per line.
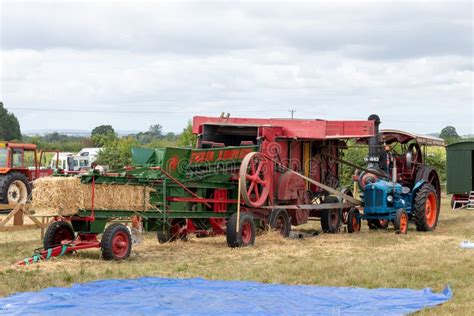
<point>71,132</point>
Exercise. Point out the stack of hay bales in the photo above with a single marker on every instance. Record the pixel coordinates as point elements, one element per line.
<point>65,196</point>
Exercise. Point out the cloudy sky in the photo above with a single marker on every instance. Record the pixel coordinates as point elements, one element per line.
<point>78,64</point>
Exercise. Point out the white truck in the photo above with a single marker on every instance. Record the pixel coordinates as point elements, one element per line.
<point>76,162</point>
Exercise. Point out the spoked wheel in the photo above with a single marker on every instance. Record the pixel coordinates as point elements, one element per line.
<point>56,233</point>
<point>171,231</point>
<point>246,234</point>
<point>279,220</point>
<point>331,219</point>
<point>255,179</point>
<point>378,223</point>
<point>116,242</point>
<point>353,221</point>
<point>401,221</point>
<point>426,208</point>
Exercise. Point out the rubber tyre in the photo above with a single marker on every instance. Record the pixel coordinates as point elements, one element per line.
<point>280,220</point>
<point>169,234</point>
<point>353,223</point>
<point>331,219</point>
<point>424,173</point>
<point>6,181</point>
<point>114,234</point>
<point>56,233</point>
<point>401,221</point>
<point>236,239</point>
<point>377,224</point>
<point>420,207</point>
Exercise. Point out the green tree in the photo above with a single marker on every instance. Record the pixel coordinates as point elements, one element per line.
<point>9,125</point>
<point>102,135</point>
<point>449,134</point>
<point>187,138</point>
<point>117,153</point>
<point>156,130</point>
<point>356,154</point>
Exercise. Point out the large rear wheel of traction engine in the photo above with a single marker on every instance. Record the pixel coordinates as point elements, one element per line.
<point>331,219</point>
<point>279,220</point>
<point>401,222</point>
<point>116,242</point>
<point>426,208</point>
<point>246,234</point>
<point>56,233</point>
<point>353,221</point>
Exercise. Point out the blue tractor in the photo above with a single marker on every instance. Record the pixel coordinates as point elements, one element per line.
<point>386,201</point>
<point>396,186</point>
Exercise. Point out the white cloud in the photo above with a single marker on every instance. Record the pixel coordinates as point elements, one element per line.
<point>411,63</point>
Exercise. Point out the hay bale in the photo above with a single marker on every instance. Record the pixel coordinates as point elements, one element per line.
<point>66,195</point>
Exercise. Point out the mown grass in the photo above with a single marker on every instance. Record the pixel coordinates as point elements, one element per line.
<point>369,259</point>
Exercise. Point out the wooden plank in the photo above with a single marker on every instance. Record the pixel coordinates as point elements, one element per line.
<point>11,214</point>
<point>4,207</point>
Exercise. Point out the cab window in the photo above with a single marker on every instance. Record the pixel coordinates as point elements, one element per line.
<point>17,157</point>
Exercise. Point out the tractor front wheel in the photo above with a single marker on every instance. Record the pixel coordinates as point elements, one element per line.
<point>401,221</point>
<point>426,208</point>
<point>353,221</point>
<point>279,220</point>
<point>116,242</point>
<point>56,233</point>
<point>246,234</point>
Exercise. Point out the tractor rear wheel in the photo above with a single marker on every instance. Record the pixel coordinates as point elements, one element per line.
<point>171,231</point>
<point>116,243</point>
<point>331,219</point>
<point>279,220</point>
<point>429,175</point>
<point>426,208</point>
<point>401,222</point>
<point>377,223</point>
<point>56,233</point>
<point>246,234</point>
<point>14,188</point>
<point>353,221</point>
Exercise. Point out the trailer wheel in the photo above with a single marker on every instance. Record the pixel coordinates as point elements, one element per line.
<point>279,220</point>
<point>246,234</point>
<point>426,208</point>
<point>14,188</point>
<point>56,233</point>
<point>171,232</point>
<point>353,221</point>
<point>331,219</point>
<point>378,223</point>
<point>401,221</point>
<point>116,242</point>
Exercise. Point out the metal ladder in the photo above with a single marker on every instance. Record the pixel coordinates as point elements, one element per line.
<point>470,201</point>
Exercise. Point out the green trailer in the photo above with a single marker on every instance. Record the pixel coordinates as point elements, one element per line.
<point>460,173</point>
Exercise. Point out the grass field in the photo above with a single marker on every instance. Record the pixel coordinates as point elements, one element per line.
<point>369,259</point>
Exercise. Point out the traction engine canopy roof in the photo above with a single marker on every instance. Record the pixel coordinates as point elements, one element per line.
<point>395,136</point>
<point>294,128</point>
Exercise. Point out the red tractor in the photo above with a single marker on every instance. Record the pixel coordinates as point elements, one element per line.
<point>16,175</point>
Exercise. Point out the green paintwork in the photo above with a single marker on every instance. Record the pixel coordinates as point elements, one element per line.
<point>200,170</point>
<point>460,168</point>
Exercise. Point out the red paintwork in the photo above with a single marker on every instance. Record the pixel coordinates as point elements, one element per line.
<point>83,241</point>
<point>304,129</point>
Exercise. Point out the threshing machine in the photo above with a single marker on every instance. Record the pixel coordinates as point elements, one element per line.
<point>245,174</point>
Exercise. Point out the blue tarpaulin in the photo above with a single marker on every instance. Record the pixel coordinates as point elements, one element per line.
<point>204,297</point>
